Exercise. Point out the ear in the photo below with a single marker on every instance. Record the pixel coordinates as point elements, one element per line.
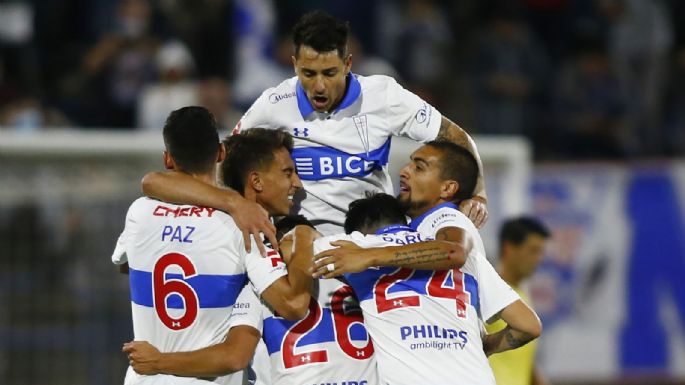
<point>254,181</point>
<point>348,64</point>
<point>448,189</point>
<point>169,163</point>
<point>222,153</point>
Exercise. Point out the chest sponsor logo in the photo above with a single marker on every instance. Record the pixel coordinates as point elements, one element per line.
<point>316,163</point>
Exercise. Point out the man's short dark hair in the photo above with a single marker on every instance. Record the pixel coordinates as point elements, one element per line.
<point>288,223</point>
<point>373,212</point>
<point>191,138</point>
<point>516,230</point>
<point>458,164</point>
<point>251,150</point>
<point>322,32</point>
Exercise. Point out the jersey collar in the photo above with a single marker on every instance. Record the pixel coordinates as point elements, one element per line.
<point>416,222</point>
<point>392,229</point>
<point>354,89</point>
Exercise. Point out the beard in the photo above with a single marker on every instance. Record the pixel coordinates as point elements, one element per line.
<point>413,208</point>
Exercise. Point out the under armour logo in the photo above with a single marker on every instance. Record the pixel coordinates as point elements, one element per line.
<point>306,358</point>
<point>461,312</point>
<point>176,324</point>
<point>275,258</point>
<point>360,353</point>
<point>301,132</point>
<point>398,303</point>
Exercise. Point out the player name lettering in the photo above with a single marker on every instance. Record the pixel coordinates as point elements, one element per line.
<point>188,211</point>
<point>407,239</point>
<point>178,234</point>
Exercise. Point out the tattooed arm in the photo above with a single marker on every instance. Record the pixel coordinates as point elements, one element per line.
<point>448,251</point>
<point>474,208</point>
<point>523,326</point>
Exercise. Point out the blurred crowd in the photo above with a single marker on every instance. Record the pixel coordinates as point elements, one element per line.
<point>580,78</point>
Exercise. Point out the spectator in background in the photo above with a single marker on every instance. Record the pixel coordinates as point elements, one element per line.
<point>214,93</point>
<point>674,106</point>
<point>367,64</point>
<point>640,41</point>
<point>522,245</point>
<point>507,69</point>
<point>424,42</point>
<point>589,106</point>
<point>116,69</point>
<point>174,90</point>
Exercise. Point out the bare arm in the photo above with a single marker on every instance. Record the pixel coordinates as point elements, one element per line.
<point>224,358</point>
<point>448,251</point>
<point>347,257</point>
<point>180,188</point>
<point>289,295</point>
<point>523,326</point>
<point>474,208</point>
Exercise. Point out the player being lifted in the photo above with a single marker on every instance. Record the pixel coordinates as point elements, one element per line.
<point>426,324</point>
<point>342,124</point>
<point>187,264</point>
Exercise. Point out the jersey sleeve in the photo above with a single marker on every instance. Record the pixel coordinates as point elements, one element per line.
<point>247,310</point>
<point>411,116</point>
<point>445,217</point>
<point>494,293</point>
<point>119,256</point>
<point>263,271</point>
<point>256,116</point>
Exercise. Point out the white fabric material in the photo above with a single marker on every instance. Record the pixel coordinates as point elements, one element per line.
<point>341,155</point>
<point>421,332</point>
<point>313,346</point>
<point>187,266</point>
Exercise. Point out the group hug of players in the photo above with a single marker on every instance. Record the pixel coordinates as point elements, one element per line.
<point>362,287</point>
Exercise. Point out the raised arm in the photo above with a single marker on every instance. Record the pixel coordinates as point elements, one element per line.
<point>221,359</point>
<point>474,208</point>
<point>523,326</point>
<point>180,188</point>
<point>289,295</point>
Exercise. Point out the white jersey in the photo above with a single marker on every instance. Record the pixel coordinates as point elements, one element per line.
<point>426,325</point>
<point>187,266</point>
<point>329,346</point>
<point>341,155</point>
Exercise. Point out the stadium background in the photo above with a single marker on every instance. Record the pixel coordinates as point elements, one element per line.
<point>577,107</point>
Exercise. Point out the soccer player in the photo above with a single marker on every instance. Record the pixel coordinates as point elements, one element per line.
<point>187,264</point>
<point>522,244</point>
<point>410,307</point>
<point>342,125</point>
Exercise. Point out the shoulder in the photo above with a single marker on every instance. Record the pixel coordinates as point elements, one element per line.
<point>444,216</point>
<point>273,95</point>
<point>376,83</point>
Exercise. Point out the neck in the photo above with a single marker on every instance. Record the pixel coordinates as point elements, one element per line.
<point>414,212</point>
<point>209,178</point>
<point>508,275</point>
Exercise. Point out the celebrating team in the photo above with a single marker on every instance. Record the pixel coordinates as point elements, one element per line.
<point>413,297</point>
